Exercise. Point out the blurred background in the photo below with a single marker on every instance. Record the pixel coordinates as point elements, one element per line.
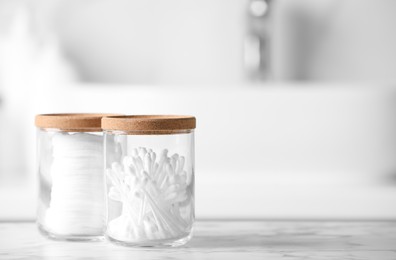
<point>295,99</point>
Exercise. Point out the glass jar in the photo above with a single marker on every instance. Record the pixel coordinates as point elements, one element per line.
<point>71,202</point>
<point>150,179</point>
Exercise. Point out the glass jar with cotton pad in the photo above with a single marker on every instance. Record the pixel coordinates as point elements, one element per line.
<point>149,162</point>
<point>71,202</point>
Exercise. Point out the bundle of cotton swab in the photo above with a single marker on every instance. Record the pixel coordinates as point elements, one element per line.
<point>156,197</point>
<point>77,205</point>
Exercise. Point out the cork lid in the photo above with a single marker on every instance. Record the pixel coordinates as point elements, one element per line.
<point>149,124</point>
<point>71,122</point>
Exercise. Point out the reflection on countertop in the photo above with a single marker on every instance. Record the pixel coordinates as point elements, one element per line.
<point>256,239</point>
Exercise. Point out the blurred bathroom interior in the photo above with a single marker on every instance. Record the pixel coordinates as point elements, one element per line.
<point>295,99</point>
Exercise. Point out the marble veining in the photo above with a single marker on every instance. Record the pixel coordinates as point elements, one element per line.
<point>223,240</point>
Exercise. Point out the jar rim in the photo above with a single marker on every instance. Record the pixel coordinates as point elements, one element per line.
<point>148,123</point>
<point>71,121</point>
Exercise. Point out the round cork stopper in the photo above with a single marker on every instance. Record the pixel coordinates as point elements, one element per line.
<point>71,122</point>
<point>149,124</point>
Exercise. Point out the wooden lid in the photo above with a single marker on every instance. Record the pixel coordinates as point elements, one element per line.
<point>149,124</point>
<point>71,122</point>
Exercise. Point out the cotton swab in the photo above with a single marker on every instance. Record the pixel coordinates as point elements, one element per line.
<point>151,187</point>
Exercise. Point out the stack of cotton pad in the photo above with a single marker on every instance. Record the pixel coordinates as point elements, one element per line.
<point>77,203</point>
<point>156,197</point>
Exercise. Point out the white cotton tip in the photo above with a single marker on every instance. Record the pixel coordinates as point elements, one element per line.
<point>138,163</point>
<point>175,156</point>
<point>155,170</point>
<point>130,170</point>
<point>164,153</point>
<point>153,157</point>
<point>180,165</point>
<point>142,152</point>
<point>130,180</point>
<point>144,180</point>
<point>147,163</point>
<point>127,161</point>
<point>120,228</point>
<point>150,229</point>
<point>180,197</point>
<point>114,194</point>
<point>182,179</point>
<point>188,177</point>
<point>116,167</point>
<point>173,162</point>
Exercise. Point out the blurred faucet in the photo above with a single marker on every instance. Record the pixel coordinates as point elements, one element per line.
<point>257,40</point>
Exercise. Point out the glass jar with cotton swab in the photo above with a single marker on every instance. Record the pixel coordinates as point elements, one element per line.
<point>149,164</point>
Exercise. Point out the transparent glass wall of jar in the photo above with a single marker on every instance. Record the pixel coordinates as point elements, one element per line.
<point>150,187</point>
<point>71,203</point>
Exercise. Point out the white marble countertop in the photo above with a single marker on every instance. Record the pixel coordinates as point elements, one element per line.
<point>223,240</point>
